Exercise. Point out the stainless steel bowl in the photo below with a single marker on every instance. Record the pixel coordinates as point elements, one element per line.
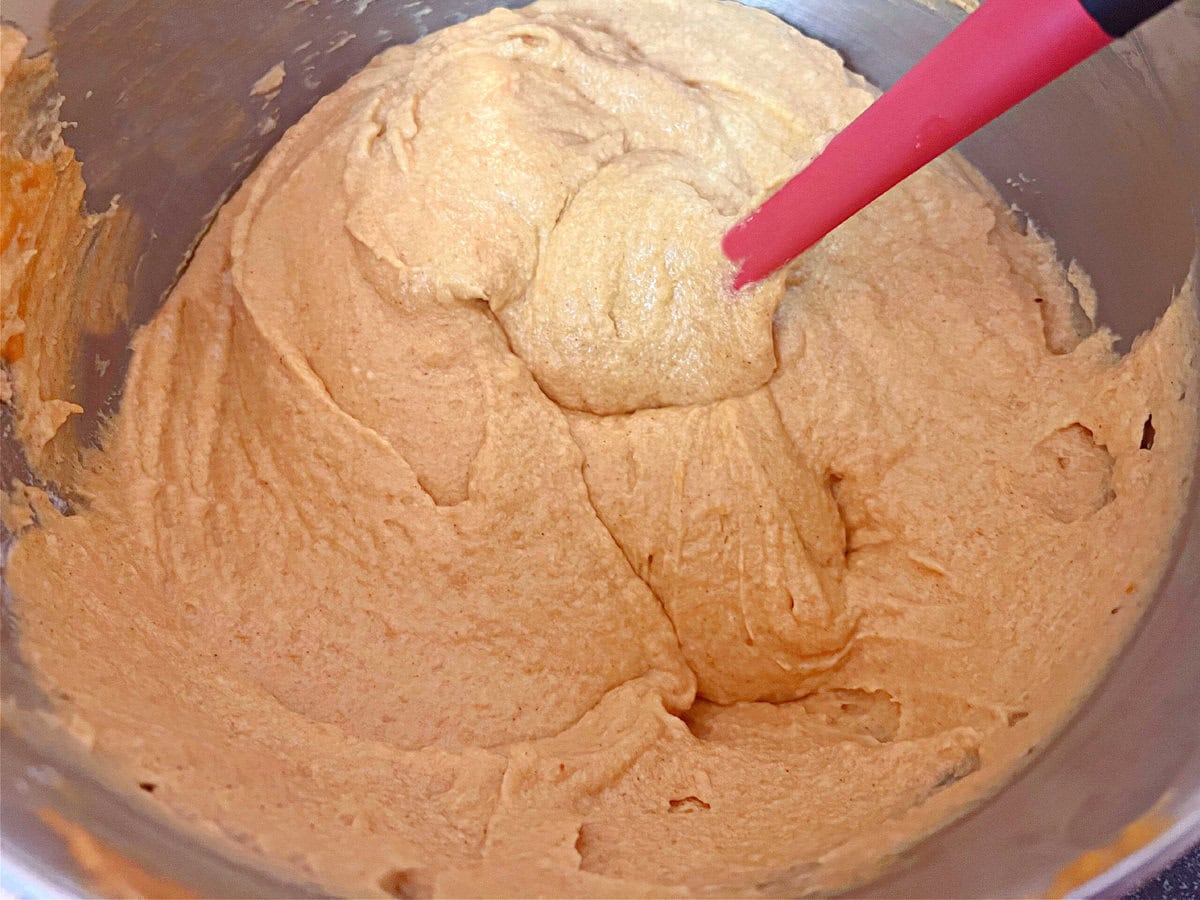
<point>1106,161</point>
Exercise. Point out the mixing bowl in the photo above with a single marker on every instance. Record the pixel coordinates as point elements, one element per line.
<point>1106,161</point>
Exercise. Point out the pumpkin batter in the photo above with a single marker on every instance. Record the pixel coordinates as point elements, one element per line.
<point>461,533</point>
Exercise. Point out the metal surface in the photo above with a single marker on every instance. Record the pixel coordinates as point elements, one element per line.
<point>1105,161</point>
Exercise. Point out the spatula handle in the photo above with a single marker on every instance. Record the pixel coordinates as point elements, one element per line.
<point>998,56</point>
<point>1119,17</point>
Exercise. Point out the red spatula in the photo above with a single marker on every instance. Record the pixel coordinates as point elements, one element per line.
<point>998,56</point>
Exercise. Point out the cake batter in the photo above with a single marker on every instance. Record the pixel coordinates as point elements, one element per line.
<point>462,533</point>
